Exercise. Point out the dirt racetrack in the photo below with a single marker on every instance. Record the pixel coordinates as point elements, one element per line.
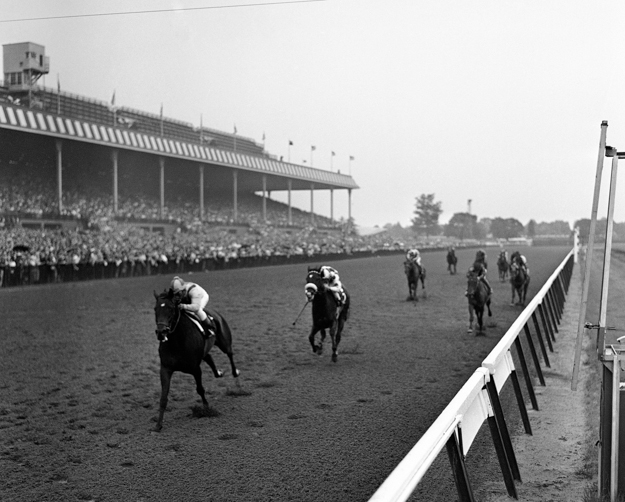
<point>80,387</point>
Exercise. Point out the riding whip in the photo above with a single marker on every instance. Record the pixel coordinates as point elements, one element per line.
<point>298,316</point>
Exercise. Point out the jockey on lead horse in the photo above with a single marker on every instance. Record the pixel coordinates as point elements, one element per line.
<point>194,300</point>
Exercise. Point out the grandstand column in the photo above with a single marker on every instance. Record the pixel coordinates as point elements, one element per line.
<point>234,195</point>
<point>201,191</point>
<point>114,158</point>
<point>265,198</point>
<point>290,185</point>
<point>312,203</point>
<point>349,205</point>
<point>161,162</point>
<point>59,172</point>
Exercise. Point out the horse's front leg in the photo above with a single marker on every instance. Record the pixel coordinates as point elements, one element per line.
<point>423,287</point>
<point>197,374</point>
<point>470,330</point>
<point>512,298</point>
<point>316,348</point>
<point>165,384</point>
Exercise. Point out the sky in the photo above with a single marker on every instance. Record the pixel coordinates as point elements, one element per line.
<point>494,101</point>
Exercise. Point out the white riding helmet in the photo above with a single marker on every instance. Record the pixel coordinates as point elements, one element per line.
<point>177,284</point>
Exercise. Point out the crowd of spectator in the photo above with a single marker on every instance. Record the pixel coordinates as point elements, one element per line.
<point>100,242</point>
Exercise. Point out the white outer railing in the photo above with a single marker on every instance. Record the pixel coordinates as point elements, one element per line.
<point>476,402</point>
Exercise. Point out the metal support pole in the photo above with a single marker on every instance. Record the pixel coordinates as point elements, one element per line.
<point>616,391</point>
<point>591,243</point>
<point>607,252</point>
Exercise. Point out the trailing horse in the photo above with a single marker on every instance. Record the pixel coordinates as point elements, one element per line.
<point>452,261</point>
<point>326,313</point>
<point>478,296</point>
<point>519,281</point>
<point>503,266</point>
<point>414,275</point>
<point>183,347</point>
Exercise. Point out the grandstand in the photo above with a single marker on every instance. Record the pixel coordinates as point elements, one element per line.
<point>88,185</point>
<point>65,127</point>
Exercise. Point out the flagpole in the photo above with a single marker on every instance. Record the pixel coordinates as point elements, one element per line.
<point>161,120</point>
<point>58,95</point>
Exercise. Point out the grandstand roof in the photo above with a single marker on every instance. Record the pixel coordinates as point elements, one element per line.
<point>85,121</point>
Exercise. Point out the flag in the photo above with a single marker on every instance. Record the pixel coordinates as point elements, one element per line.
<point>290,143</point>
<point>313,148</point>
<point>113,100</point>
<point>161,111</point>
<point>351,158</point>
<point>333,154</point>
<point>235,128</point>
<point>263,136</point>
<point>58,84</point>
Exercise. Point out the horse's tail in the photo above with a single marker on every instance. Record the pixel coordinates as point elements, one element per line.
<point>223,332</point>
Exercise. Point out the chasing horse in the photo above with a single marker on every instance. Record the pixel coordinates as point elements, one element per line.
<point>478,295</point>
<point>185,341</point>
<point>415,274</point>
<point>452,260</point>
<point>330,307</point>
<point>503,266</point>
<point>519,278</point>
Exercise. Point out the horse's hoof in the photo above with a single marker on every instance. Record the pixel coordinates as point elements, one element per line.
<point>219,374</point>
<point>158,428</point>
<point>469,330</point>
<point>236,373</point>
<point>334,358</point>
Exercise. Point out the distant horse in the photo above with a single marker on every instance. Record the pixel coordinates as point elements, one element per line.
<point>478,296</point>
<point>452,260</point>
<point>183,347</point>
<point>519,281</point>
<point>414,275</point>
<point>326,313</point>
<point>503,266</point>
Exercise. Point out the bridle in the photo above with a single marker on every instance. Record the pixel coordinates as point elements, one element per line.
<point>311,288</point>
<point>165,328</point>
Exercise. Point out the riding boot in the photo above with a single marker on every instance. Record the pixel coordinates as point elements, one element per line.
<point>209,329</point>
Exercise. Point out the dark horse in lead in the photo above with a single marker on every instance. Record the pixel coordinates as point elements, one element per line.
<point>183,346</point>
<point>414,274</point>
<point>326,313</point>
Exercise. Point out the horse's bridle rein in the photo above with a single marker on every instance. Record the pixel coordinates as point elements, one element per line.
<point>166,328</point>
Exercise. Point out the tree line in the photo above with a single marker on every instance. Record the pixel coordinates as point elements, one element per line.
<point>465,225</point>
